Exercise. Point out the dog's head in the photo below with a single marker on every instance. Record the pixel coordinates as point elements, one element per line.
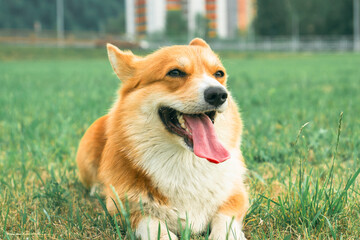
<point>177,92</point>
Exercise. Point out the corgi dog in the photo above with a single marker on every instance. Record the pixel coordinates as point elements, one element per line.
<point>172,141</point>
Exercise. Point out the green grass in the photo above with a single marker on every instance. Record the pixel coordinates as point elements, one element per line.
<point>303,180</point>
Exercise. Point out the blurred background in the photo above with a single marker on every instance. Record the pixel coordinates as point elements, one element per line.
<point>280,25</point>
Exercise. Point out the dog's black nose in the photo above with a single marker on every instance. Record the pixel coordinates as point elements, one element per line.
<point>215,96</point>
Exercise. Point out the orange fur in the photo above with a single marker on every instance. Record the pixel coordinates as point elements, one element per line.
<point>237,204</point>
<point>90,149</point>
<point>109,152</point>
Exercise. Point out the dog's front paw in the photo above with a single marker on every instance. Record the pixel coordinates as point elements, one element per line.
<point>148,229</point>
<point>226,228</point>
<point>164,235</point>
<point>238,235</point>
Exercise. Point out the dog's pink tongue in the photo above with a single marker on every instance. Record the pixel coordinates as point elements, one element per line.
<point>206,144</point>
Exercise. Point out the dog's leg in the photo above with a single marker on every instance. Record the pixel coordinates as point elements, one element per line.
<point>227,223</point>
<point>90,150</point>
<point>148,229</point>
<point>226,227</point>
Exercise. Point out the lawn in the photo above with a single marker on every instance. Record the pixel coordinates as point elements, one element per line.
<point>302,152</point>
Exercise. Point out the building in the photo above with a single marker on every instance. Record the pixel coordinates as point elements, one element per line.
<point>224,18</point>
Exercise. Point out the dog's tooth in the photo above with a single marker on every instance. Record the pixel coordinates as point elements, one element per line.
<point>181,119</point>
<point>182,122</point>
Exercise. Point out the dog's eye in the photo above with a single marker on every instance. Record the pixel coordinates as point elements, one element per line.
<point>219,74</point>
<point>176,73</point>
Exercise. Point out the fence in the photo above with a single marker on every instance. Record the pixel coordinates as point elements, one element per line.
<point>286,44</point>
<point>98,39</point>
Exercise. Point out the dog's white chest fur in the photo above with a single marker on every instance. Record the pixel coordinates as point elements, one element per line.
<point>194,187</point>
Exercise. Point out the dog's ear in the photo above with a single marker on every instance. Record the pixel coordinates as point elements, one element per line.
<point>122,62</point>
<point>199,42</point>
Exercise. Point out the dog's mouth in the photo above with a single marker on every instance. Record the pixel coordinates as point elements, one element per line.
<point>198,132</point>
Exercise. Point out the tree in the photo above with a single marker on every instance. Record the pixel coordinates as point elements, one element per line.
<point>84,15</point>
<point>201,26</point>
<point>176,24</point>
<point>311,17</point>
<point>330,17</point>
<point>273,18</point>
